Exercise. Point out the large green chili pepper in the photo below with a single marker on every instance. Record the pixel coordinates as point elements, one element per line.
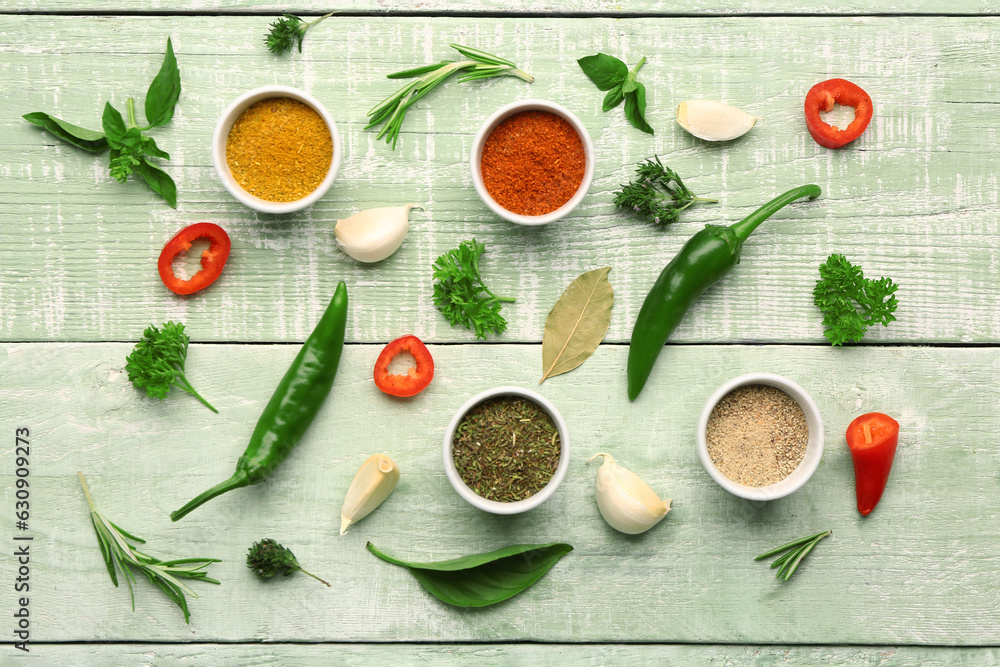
<point>704,259</point>
<point>293,405</point>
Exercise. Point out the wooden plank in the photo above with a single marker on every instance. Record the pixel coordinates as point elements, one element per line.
<point>490,655</point>
<point>590,7</point>
<point>920,570</point>
<point>915,198</point>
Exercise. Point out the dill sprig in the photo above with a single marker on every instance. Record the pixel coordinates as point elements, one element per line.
<point>657,193</point>
<point>478,65</point>
<point>797,550</point>
<point>164,574</point>
<point>288,31</point>
<point>462,296</point>
<point>268,558</point>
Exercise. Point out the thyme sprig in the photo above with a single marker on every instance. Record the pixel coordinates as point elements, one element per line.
<point>477,65</point>
<point>288,31</point>
<point>268,558</point>
<point>657,193</point>
<point>164,574</point>
<point>796,551</point>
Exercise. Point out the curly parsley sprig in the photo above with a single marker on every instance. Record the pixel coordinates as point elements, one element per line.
<point>461,294</point>
<point>850,302</point>
<point>157,362</point>
<point>657,193</point>
<point>288,31</point>
<point>130,148</point>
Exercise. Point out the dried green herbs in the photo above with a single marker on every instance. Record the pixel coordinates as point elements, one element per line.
<point>506,449</point>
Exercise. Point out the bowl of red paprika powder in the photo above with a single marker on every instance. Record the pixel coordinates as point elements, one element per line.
<point>532,162</point>
<point>276,149</point>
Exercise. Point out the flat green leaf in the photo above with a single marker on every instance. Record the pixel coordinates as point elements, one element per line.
<point>81,137</point>
<point>149,147</point>
<point>605,71</point>
<point>577,324</point>
<point>159,181</point>
<point>483,579</point>
<point>114,125</point>
<point>635,108</point>
<point>164,91</point>
<point>613,98</point>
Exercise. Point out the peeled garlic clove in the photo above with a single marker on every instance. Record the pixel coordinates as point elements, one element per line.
<point>374,234</point>
<point>372,484</point>
<point>714,121</point>
<point>626,502</point>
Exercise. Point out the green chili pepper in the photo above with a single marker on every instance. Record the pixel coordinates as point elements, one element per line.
<point>704,259</point>
<point>293,406</point>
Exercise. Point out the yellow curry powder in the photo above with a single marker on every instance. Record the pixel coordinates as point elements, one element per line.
<point>279,149</point>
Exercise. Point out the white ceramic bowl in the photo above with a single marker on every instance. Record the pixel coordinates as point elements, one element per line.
<point>518,506</point>
<point>221,134</point>
<point>491,124</point>
<point>814,446</point>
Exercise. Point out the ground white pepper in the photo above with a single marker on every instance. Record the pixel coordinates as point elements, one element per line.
<point>757,435</point>
<point>279,149</point>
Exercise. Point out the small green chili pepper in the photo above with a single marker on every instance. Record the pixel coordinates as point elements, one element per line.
<point>704,259</point>
<point>293,405</point>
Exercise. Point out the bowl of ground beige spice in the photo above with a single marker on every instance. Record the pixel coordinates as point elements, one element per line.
<point>760,436</point>
<point>276,149</point>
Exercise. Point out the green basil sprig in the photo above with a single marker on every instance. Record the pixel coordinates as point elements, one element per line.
<point>610,74</point>
<point>130,148</point>
<point>483,579</point>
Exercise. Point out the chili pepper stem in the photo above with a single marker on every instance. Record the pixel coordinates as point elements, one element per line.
<point>236,481</point>
<point>745,227</point>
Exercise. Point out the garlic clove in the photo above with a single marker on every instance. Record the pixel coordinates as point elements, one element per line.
<point>626,502</point>
<point>372,484</point>
<point>714,121</point>
<point>374,234</point>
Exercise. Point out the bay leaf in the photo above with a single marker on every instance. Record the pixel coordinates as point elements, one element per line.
<point>577,324</point>
<point>483,579</point>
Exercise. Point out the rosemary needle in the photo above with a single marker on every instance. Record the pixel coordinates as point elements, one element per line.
<point>797,550</point>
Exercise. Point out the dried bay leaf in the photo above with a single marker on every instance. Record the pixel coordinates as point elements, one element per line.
<point>577,324</point>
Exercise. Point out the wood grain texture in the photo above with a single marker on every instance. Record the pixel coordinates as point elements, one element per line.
<point>915,198</point>
<point>919,570</point>
<point>501,655</point>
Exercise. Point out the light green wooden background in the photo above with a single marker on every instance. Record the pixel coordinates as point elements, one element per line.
<point>915,198</point>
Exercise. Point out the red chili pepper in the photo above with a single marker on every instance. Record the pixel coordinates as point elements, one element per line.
<point>872,438</point>
<point>212,260</point>
<point>416,379</point>
<point>822,97</point>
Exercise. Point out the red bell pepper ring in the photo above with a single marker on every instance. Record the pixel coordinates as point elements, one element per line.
<point>416,379</point>
<point>212,260</point>
<point>822,97</point>
<point>872,438</point>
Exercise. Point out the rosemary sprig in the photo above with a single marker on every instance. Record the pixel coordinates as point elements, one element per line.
<point>164,574</point>
<point>289,30</point>
<point>477,65</point>
<point>657,193</point>
<point>796,551</point>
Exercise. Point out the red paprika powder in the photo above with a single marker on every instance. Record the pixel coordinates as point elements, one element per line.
<point>533,163</point>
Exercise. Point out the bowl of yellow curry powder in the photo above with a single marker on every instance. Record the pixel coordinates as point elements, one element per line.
<point>276,149</point>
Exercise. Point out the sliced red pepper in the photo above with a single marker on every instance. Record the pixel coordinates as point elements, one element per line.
<point>822,97</point>
<point>416,379</point>
<point>872,438</point>
<point>212,260</point>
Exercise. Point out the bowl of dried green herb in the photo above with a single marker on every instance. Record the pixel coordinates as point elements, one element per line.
<point>760,436</point>
<point>506,450</point>
<point>276,149</point>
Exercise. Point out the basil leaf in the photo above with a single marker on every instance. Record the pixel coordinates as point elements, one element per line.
<point>149,147</point>
<point>613,98</point>
<point>114,125</point>
<point>635,107</point>
<point>163,91</point>
<point>159,181</point>
<point>630,84</point>
<point>605,71</point>
<point>483,579</point>
<point>81,137</point>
